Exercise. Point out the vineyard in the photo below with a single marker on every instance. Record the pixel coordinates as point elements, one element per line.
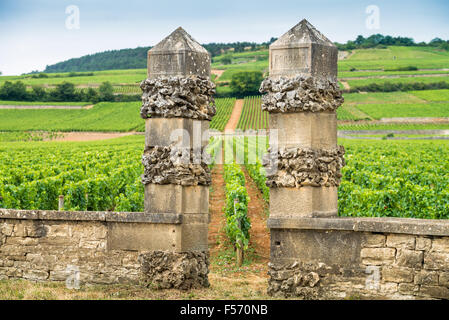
<point>252,116</point>
<point>91,176</point>
<point>224,108</point>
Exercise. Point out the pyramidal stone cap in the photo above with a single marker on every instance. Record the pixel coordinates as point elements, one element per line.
<point>178,55</point>
<point>303,50</point>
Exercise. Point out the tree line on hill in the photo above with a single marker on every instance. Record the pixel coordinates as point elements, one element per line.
<point>63,92</point>
<point>381,41</point>
<point>137,58</point>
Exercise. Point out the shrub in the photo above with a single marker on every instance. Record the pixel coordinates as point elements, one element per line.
<point>246,83</point>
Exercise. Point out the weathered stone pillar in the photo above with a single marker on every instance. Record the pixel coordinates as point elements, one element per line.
<point>304,160</point>
<point>177,105</point>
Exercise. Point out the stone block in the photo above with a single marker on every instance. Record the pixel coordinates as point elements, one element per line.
<point>374,240</point>
<point>144,236</point>
<point>303,129</point>
<point>425,277</point>
<point>398,275</point>
<point>170,198</point>
<point>181,132</point>
<point>440,244</point>
<point>436,261</point>
<point>7,229</point>
<point>194,234</point>
<point>401,241</point>
<point>37,275</point>
<point>408,288</point>
<point>434,292</point>
<point>377,256</point>
<point>423,243</point>
<point>409,258</point>
<point>303,50</point>
<point>303,202</point>
<point>443,279</point>
<point>178,55</point>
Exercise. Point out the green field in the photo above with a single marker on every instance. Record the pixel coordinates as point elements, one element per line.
<point>381,178</point>
<point>104,116</point>
<point>427,80</point>
<point>34,174</point>
<point>37,103</point>
<point>115,77</point>
<point>224,109</point>
<point>432,109</point>
<point>252,116</point>
<point>394,57</point>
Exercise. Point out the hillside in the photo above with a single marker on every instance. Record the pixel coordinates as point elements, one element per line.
<point>136,58</point>
<point>108,60</point>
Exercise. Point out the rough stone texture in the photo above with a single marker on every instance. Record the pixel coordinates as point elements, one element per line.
<point>42,250</point>
<point>297,167</point>
<point>178,97</point>
<point>303,50</point>
<point>167,165</point>
<point>184,270</point>
<point>177,103</point>
<point>300,94</point>
<point>122,250</point>
<point>355,263</point>
<point>178,55</point>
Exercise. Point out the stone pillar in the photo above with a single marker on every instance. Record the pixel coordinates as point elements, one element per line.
<point>177,105</point>
<point>304,161</point>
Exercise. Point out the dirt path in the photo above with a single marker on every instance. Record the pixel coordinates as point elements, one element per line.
<point>90,136</point>
<point>345,84</point>
<point>259,233</point>
<point>216,204</point>
<point>235,115</point>
<point>217,72</point>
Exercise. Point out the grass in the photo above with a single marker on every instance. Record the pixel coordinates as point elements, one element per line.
<point>396,57</point>
<point>382,97</point>
<point>104,116</point>
<point>432,95</point>
<point>380,73</point>
<point>37,103</point>
<point>378,111</point>
<point>364,82</point>
<point>392,126</point>
<point>115,77</point>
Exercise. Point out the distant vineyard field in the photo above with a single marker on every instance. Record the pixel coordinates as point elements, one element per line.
<point>252,116</point>
<point>224,109</point>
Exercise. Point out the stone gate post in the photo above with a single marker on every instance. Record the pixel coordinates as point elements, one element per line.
<point>304,161</point>
<point>177,105</point>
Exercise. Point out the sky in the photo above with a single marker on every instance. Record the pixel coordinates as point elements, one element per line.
<point>36,33</point>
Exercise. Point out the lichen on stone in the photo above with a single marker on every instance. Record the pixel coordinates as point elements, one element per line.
<point>298,167</point>
<point>300,94</point>
<point>178,97</point>
<point>183,166</point>
<point>178,270</point>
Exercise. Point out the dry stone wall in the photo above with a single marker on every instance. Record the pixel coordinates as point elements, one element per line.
<point>51,245</point>
<point>340,258</point>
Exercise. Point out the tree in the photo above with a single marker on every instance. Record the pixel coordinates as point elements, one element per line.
<point>227,59</point>
<point>92,95</point>
<point>106,91</point>
<point>64,92</point>
<point>14,91</point>
<point>246,83</point>
<point>38,93</point>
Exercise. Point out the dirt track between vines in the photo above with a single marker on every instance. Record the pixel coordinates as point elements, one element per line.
<point>235,115</point>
